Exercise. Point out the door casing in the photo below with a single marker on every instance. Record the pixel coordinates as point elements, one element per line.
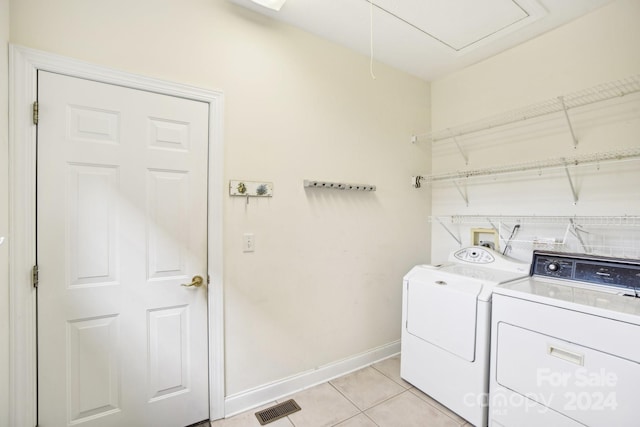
<point>24,64</point>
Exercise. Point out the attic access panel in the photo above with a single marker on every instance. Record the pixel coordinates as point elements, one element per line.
<point>462,24</point>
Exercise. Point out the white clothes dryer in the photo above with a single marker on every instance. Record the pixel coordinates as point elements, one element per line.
<point>565,346</point>
<point>446,316</point>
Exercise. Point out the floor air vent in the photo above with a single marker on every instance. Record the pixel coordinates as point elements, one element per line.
<point>278,411</point>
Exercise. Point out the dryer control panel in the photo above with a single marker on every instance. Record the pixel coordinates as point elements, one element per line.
<point>475,255</point>
<point>623,274</point>
<point>482,257</point>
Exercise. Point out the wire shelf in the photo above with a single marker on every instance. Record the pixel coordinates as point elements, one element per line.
<point>587,221</point>
<point>604,235</point>
<point>562,162</point>
<point>599,93</point>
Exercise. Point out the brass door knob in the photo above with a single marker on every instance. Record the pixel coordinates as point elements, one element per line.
<point>196,281</point>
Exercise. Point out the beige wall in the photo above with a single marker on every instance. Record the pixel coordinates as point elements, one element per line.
<point>4,220</point>
<point>325,280</point>
<point>597,48</point>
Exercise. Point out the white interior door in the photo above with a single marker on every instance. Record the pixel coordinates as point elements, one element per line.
<point>121,224</point>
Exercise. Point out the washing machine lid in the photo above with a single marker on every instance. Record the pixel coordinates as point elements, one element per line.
<point>442,310</point>
<point>486,277</point>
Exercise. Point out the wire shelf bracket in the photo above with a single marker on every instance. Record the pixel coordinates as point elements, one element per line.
<point>456,238</point>
<point>576,231</point>
<point>462,152</point>
<point>573,188</point>
<point>566,115</point>
<point>463,194</point>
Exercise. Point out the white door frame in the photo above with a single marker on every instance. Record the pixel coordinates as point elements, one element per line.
<point>24,64</point>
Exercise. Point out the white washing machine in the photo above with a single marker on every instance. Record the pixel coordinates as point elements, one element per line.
<point>446,327</point>
<point>565,345</point>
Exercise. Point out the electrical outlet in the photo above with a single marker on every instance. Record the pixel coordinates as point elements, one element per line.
<point>248,242</point>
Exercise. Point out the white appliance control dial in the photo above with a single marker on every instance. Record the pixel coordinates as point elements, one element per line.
<point>476,255</point>
<point>553,266</point>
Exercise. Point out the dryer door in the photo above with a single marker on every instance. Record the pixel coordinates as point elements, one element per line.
<point>442,310</point>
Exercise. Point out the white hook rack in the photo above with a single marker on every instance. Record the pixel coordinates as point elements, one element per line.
<point>338,185</point>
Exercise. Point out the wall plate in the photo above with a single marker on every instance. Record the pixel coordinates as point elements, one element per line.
<point>487,237</point>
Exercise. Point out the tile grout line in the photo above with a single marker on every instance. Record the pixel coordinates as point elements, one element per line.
<point>362,411</point>
<point>372,406</point>
<point>350,418</point>
<point>425,401</point>
<point>400,384</point>
<point>371,419</point>
<point>341,394</point>
<point>464,422</point>
<point>346,397</point>
<point>349,400</point>
<point>388,399</point>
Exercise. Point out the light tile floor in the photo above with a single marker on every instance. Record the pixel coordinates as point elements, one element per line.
<point>375,396</point>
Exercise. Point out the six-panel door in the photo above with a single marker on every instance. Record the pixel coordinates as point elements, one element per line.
<point>122,225</point>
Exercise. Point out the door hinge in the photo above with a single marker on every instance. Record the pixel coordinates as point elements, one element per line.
<point>208,279</point>
<point>35,276</point>
<point>36,113</point>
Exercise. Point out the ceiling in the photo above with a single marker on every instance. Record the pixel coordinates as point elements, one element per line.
<point>428,38</point>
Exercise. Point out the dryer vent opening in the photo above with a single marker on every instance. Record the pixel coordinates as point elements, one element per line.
<point>278,411</point>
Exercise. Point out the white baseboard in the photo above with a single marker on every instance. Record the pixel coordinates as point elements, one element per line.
<point>267,393</point>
